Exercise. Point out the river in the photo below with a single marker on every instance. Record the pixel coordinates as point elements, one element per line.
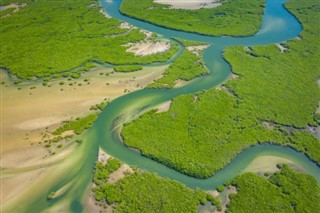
<point>278,26</point>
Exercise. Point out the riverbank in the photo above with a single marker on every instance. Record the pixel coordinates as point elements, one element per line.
<point>28,113</point>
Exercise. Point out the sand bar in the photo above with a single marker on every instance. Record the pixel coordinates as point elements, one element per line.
<point>189,4</point>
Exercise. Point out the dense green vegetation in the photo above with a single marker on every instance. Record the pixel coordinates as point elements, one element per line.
<point>77,125</point>
<point>187,67</point>
<point>47,37</point>
<point>284,191</point>
<point>201,133</point>
<point>146,192</point>
<point>127,68</point>
<point>102,172</point>
<point>236,17</point>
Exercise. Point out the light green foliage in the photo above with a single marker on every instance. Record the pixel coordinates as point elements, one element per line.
<point>220,188</point>
<point>47,37</point>
<point>285,191</point>
<point>146,192</point>
<point>51,195</point>
<point>201,133</point>
<point>186,67</point>
<point>188,43</point>
<point>77,125</point>
<point>127,68</point>
<point>236,17</point>
<point>102,171</point>
<point>99,107</point>
<point>275,85</point>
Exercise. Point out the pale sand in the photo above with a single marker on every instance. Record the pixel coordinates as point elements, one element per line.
<point>234,76</point>
<point>105,13</point>
<point>49,106</point>
<point>282,48</point>
<point>180,83</point>
<point>25,117</point>
<point>103,157</point>
<point>149,47</point>
<point>230,190</point>
<point>147,33</point>
<point>120,173</point>
<point>225,89</point>
<point>164,107</point>
<point>13,5</point>
<point>90,203</point>
<point>266,163</point>
<point>125,25</point>
<point>214,193</point>
<point>197,49</point>
<point>189,4</point>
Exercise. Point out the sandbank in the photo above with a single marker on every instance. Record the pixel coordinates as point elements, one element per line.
<point>197,49</point>
<point>281,47</point>
<point>164,107</point>
<point>148,47</point>
<point>27,113</point>
<point>189,4</point>
<point>13,5</point>
<point>266,163</point>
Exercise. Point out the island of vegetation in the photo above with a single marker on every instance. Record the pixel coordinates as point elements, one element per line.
<point>226,19</point>
<point>141,191</point>
<point>273,100</point>
<point>284,191</point>
<point>188,66</point>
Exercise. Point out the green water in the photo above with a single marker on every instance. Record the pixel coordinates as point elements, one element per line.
<point>278,25</point>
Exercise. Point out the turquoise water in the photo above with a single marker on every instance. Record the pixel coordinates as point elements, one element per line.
<point>278,25</point>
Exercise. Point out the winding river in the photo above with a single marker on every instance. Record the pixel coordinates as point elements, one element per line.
<point>278,26</point>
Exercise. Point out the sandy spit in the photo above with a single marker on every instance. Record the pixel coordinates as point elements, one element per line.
<point>189,4</point>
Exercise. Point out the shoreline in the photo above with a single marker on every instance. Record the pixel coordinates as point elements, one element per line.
<point>47,107</point>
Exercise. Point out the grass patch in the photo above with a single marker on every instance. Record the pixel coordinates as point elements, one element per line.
<point>77,125</point>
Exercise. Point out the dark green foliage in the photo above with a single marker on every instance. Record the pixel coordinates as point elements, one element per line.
<point>77,125</point>
<point>201,133</point>
<point>285,191</point>
<point>236,17</point>
<point>127,68</point>
<point>47,37</point>
<point>186,67</point>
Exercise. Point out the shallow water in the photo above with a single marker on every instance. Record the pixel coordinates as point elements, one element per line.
<point>278,25</point>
